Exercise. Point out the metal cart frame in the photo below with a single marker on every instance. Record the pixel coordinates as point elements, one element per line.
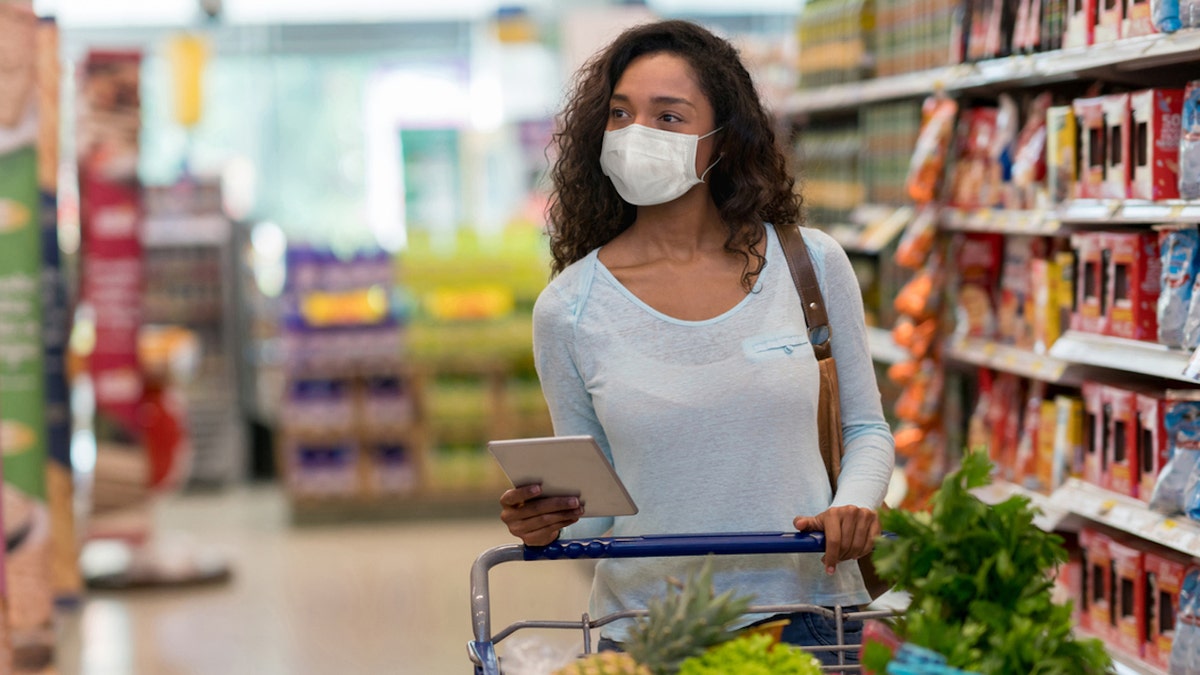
<point>482,650</point>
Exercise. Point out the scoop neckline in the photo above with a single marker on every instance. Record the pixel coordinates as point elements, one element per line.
<point>662,316</point>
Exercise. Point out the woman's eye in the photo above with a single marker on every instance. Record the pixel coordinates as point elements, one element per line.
<point>671,117</point>
<point>617,113</point>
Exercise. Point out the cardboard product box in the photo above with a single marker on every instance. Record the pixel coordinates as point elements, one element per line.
<point>1091,280</point>
<point>1128,596</point>
<point>1044,279</point>
<point>1093,147</point>
<point>1121,453</point>
<point>1069,439</point>
<point>1153,448</point>
<point>1165,572</point>
<point>1065,288</point>
<point>1110,17</point>
<point>1156,124</point>
<point>1062,153</point>
<point>1134,279</point>
<point>1097,617</point>
<point>1117,163</point>
<point>1044,460</point>
<point>1095,432</point>
<point>1139,19</point>
<point>1081,21</point>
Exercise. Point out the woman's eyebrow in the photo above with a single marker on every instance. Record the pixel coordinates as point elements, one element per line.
<point>658,100</point>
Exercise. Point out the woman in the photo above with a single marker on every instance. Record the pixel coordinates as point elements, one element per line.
<point>673,334</point>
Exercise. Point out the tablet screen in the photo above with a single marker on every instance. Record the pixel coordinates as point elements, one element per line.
<point>566,465</point>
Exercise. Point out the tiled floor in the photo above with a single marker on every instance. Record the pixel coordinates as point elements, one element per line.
<point>336,599</point>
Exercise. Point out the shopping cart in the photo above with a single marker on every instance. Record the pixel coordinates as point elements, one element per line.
<point>482,650</point>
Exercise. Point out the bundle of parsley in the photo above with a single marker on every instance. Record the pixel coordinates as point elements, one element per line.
<point>980,580</point>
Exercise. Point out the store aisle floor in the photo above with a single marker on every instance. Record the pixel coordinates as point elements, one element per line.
<point>314,600</point>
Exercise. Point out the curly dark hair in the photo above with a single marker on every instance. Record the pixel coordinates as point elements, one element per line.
<point>751,184</point>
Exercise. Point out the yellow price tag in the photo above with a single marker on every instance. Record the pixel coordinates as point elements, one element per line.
<point>1107,505</point>
<point>1168,524</point>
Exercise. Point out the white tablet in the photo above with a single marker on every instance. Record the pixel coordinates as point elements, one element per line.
<point>566,465</point>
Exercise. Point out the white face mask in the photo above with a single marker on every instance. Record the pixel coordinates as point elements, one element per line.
<point>651,166</point>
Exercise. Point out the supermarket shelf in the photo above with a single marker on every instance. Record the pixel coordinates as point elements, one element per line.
<point>1039,223</point>
<point>987,354</point>
<point>1052,516</point>
<point>872,228</point>
<point>1109,212</point>
<point>1124,663</point>
<point>1131,356</point>
<point>1081,213</point>
<point>1127,515</point>
<point>1075,498</point>
<point>883,348</point>
<point>1127,55</point>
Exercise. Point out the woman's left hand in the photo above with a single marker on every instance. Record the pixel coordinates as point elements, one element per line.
<point>850,532</point>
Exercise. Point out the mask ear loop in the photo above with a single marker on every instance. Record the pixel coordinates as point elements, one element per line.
<point>710,166</point>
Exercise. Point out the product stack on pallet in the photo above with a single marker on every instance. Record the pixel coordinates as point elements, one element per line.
<point>351,435</point>
<point>1053,197</point>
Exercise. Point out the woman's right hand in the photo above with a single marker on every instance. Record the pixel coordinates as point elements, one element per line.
<point>537,520</point>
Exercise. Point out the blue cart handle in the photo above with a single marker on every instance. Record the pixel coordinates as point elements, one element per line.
<point>673,545</point>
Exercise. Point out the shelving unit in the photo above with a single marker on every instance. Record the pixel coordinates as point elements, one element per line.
<point>1121,57</point>
<point>1074,357</point>
<point>883,348</point>
<point>1028,364</point>
<point>1076,501</point>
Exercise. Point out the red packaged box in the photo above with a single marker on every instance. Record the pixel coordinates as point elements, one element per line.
<point>1093,141</point>
<point>1120,468</point>
<point>1081,21</point>
<point>1138,19</point>
<point>1095,432</point>
<point>1109,19</point>
<point>1128,597</point>
<point>1091,280</point>
<point>1153,448</point>
<point>1133,281</point>
<point>1156,120</point>
<point>1117,164</point>
<point>1165,572</point>
<point>1096,617</point>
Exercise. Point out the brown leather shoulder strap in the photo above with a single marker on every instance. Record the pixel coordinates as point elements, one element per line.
<point>805,278</point>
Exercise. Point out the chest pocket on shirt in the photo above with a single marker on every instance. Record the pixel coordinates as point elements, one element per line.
<point>778,346</point>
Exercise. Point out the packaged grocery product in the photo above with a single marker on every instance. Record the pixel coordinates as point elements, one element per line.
<point>1098,578</point>
<point>1133,282</point>
<point>1138,19</point>
<point>976,176</point>
<point>1014,323</point>
<point>1095,432</point>
<point>1166,15</point>
<point>1180,252</point>
<point>1189,144</point>
<point>1093,144</point>
<point>1062,137</point>
<point>1187,624</point>
<point>1155,130</point>
<point>1120,463</point>
<point>978,261</point>
<point>1091,282</point>
<point>1175,491</point>
<point>1068,439</point>
<point>1109,19</point>
<point>1044,280</point>
<point>929,157</point>
<point>1024,470</point>
<point>1165,574</point>
<point>1029,157</point>
<point>1128,596</point>
<point>1115,179</point>
<point>1081,21</point>
<point>918,238</point>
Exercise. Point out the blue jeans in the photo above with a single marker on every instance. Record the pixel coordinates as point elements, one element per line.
<point>806,629</point>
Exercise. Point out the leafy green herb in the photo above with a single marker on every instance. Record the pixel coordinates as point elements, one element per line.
<point>980,585</point>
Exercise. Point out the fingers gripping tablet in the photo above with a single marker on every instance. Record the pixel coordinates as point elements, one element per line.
<point>566,465</point>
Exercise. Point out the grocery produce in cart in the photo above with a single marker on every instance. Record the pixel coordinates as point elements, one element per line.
<point>980,578</point>
<point>689,631</point>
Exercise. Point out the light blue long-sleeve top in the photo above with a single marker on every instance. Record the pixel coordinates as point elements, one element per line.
<point>712,424</point>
